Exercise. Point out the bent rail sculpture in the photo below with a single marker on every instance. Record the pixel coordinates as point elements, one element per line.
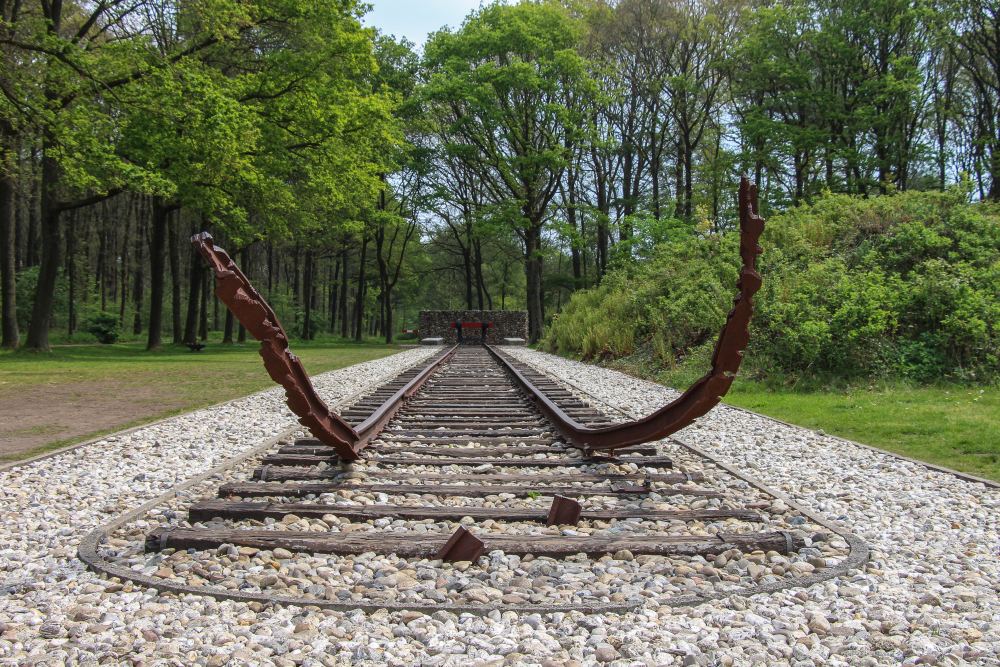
<point>704,394</point>
<point>250,308</point>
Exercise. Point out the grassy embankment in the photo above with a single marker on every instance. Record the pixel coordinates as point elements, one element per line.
<point>77,392</point>
<point>952,425</point>
<point>877,320</point>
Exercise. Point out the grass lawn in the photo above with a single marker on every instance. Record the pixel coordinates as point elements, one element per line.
<point>955,426</point>
<point>77,392</point>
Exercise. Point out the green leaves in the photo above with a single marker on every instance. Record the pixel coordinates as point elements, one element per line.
<point>901,285</point>
<point>499,88</point>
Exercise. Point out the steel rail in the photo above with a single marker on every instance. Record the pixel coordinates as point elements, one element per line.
<point>251,309</point>
<point>704,394</point>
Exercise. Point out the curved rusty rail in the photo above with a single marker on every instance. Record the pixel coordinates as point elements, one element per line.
<point>254,313</point>
<point>704,394</point>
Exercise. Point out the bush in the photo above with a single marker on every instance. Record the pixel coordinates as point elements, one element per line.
<point>903,285</point>
<point>104,327</point>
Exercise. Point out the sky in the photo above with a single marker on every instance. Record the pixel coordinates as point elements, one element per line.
<point>414,19</point>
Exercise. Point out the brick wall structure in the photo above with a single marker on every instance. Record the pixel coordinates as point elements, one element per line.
<point>506,324</point>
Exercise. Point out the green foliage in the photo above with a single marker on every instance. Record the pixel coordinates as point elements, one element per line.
<point>104,327</point>
<point>905,285</point>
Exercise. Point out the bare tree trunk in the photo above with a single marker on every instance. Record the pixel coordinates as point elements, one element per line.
<point>477,249</point>
<point>175,279</point>
<point>123,274</point>
<point>71,274</point>
<point>343,298</point>
<point>241,334</point>
<point>137,285</point>
<point>34,249</point>
<point>570,196</point>
<point>467,262</point>
<point>308,289</point>
<point>359,298</point>
<point>334,280</point>
<point>102,254</point>
<point>533,275</point>
<point>48,271</point>
<point>158,240</point>
<point>8,247</point>
<point>203,323</point>
<point>227,336</point>
<point>194,292</point>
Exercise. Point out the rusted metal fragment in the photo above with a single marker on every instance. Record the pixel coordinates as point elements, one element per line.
<point>254,313</point>
<point>462,545</point>
<point>704,394</point>
<point>564,512</point>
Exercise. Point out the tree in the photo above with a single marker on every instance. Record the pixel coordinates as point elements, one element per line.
<point>498,87</point>
<point>977,49</point>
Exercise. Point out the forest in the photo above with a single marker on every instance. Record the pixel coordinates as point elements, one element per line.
<point>524,156</point>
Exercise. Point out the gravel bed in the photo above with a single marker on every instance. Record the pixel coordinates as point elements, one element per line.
<point>929,595</point>
<point>498,578</point>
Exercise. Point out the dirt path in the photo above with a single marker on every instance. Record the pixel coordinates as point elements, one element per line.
<point>48,414</point>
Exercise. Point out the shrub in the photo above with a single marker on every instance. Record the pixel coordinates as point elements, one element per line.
<point>902,285</point>
<point>104,327</point>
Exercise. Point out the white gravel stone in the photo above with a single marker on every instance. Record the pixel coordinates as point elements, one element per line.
<point>929,596</point>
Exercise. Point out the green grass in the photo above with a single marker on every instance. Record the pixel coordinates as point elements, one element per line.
<point>153,385</point>
<point>956,426</point>
<point>953,426</point>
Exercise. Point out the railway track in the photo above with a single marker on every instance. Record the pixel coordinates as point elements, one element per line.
<point>471,447</point>
<point>477,481</point>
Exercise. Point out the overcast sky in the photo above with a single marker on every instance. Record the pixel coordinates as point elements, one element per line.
<point>413,19</point>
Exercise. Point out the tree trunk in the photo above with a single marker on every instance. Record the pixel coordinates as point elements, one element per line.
<point>343,298</point>
<point>175,280</point>
<point>359,298</point>
<point>102,252</point>
<point>533,275</point>
<point>334,286</point>
<point>241,333</point>
<point>688,185</point>
<point>48,270</point>
<point>137,286</point>
<point>387,315</point>
<point>194,293</point>
<point>34,249</point>
<point>571,219</point>
<point>123,274</point>
<point>477,249</point>
<point>308,289</point>
<point>467,262</point>
<point>994,163</point>
<point>227,336</point>
<point>8,275</point>
<point>71,275</point>
<point>158,241</point>
<point>203,319</point>
<point>679,181</point>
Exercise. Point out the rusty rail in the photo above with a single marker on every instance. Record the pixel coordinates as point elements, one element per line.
<point>254,313</point>
<point>704,394</point>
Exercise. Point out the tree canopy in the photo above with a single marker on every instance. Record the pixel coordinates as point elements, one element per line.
<point>514,160</point>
